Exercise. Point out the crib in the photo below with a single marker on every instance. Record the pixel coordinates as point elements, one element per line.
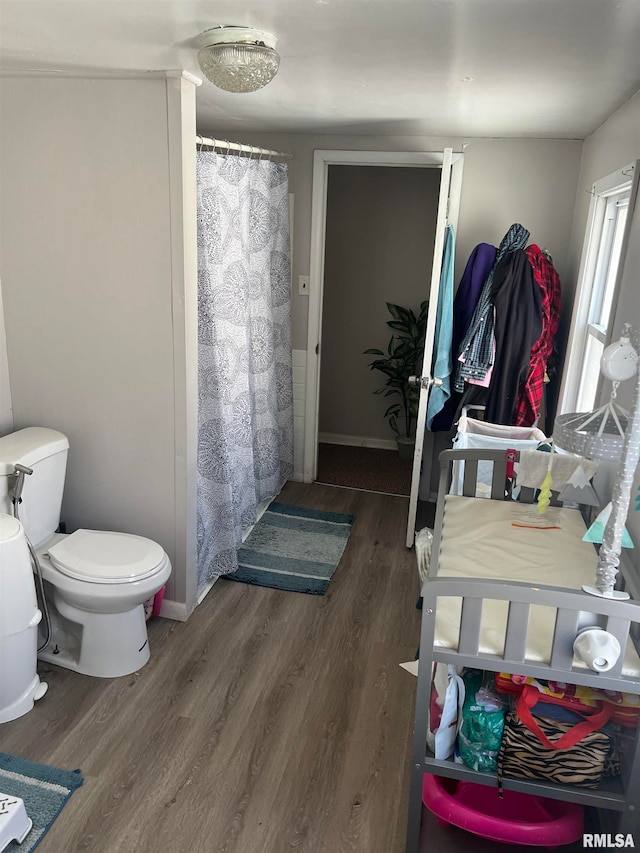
<point>508,599</point>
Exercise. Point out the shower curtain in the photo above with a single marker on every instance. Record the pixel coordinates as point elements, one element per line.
<point>245,412</point>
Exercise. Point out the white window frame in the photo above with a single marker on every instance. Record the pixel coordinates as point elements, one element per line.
<point>586,309</point>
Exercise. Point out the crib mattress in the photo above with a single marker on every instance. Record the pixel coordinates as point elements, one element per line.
<point>480,541</point>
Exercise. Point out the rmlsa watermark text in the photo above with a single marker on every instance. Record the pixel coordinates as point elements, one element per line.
<point>605,839</point>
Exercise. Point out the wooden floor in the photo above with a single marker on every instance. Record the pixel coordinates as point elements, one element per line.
<point>269,722</point>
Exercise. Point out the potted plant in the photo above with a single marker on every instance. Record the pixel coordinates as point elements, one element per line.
<point>402,359</point>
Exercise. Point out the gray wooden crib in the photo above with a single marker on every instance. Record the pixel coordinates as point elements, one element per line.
<point>508,598</point>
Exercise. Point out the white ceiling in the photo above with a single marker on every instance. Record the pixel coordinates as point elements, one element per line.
<point>540,68</point>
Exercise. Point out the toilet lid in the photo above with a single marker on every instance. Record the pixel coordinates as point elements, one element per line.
<point>101,557</point>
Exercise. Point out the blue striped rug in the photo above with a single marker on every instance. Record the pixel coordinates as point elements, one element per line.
<point>44,791</point>
<point>294,548</point>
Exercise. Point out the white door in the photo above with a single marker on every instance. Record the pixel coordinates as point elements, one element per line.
<point>448,201</point>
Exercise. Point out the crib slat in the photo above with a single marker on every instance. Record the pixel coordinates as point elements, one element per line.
<point>498,480</point>
<point>564,634</point>
<point>470,619</point>
<point>515,642</point>
<point>526,495</point>
<point>620,630</point>
<point>470,478</point>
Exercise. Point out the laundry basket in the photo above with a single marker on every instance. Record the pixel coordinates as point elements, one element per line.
<point>474,434</point>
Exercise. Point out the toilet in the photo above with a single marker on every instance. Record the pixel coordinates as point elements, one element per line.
<point>95,581</point>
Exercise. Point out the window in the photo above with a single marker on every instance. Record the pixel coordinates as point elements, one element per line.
<point>602,292</point>
<point>596,293</point>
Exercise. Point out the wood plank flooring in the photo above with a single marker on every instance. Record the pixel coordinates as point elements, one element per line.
<point>269,722</point>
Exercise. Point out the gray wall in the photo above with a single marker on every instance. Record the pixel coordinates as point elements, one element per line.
<point>612,146</point>
<point>6,410</point>
<point>99,302</point>
<point>379,248</point>
<point>532,181</point>
<point>97,340</point>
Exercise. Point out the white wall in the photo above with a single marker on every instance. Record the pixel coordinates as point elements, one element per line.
<point>6,409</point>
<point>99,291</point>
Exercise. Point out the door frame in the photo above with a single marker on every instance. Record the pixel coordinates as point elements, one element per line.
<point>322,159</point>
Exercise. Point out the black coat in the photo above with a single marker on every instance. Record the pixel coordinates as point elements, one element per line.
<point>517,301</point>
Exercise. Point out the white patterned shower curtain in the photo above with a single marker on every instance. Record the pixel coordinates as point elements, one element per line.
<point>245,413</point>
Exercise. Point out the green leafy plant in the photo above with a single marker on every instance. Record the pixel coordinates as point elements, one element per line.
<point>402,359</point>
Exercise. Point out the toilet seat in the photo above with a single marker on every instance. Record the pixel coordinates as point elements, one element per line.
<point>99,556</point>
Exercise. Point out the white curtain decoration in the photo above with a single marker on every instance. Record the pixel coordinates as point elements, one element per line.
<point>245,414</point>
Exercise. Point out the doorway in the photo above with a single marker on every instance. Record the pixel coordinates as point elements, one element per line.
<point>379,239</point>
<point>450,165</point>
<point>322,160</point>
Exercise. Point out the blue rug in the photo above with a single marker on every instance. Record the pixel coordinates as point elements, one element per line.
<point>294,548</point>
<point>44,791</point>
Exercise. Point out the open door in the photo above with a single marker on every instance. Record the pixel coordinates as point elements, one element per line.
<point>448,202</point>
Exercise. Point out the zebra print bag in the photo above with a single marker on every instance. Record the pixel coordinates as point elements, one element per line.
<point>535,747</point>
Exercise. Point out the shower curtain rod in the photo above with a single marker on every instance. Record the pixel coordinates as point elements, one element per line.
<point>251,150</point>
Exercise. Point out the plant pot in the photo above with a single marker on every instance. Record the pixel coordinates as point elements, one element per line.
<point>406,447</point>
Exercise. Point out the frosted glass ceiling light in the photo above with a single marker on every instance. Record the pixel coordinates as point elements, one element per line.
<point>238,59</point>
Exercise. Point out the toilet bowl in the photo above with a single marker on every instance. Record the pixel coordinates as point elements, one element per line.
<point>95,581</point>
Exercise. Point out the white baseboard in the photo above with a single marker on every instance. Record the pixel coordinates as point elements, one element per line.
<point>176,610</point>
<point>202,593</point>
<point>356,441</point>
<point>206,589</point>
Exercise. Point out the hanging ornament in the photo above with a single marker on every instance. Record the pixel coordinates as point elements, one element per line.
<point>544,498</point>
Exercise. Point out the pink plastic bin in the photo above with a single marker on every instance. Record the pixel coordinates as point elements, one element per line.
<point>157,601</point>
<point>517,819</point>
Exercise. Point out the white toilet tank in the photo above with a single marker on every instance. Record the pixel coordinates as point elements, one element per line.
<point>45,451</point>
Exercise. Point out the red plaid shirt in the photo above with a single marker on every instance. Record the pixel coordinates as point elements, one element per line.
<point>530,395</point>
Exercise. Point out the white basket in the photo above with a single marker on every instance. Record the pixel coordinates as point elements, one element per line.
<point>474,434</point>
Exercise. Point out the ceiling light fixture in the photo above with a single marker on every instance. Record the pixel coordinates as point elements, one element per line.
<point>238,59</point>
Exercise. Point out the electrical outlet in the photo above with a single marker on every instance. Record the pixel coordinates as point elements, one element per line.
<point>303,285</point>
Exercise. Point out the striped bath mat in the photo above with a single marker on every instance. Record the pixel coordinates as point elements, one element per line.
<point>294,548</point>
<point>44,791</point>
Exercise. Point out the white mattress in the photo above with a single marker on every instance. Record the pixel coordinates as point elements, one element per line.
<point>479,541</point>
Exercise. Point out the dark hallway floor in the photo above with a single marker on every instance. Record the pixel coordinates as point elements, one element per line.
<point>367,468</point>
